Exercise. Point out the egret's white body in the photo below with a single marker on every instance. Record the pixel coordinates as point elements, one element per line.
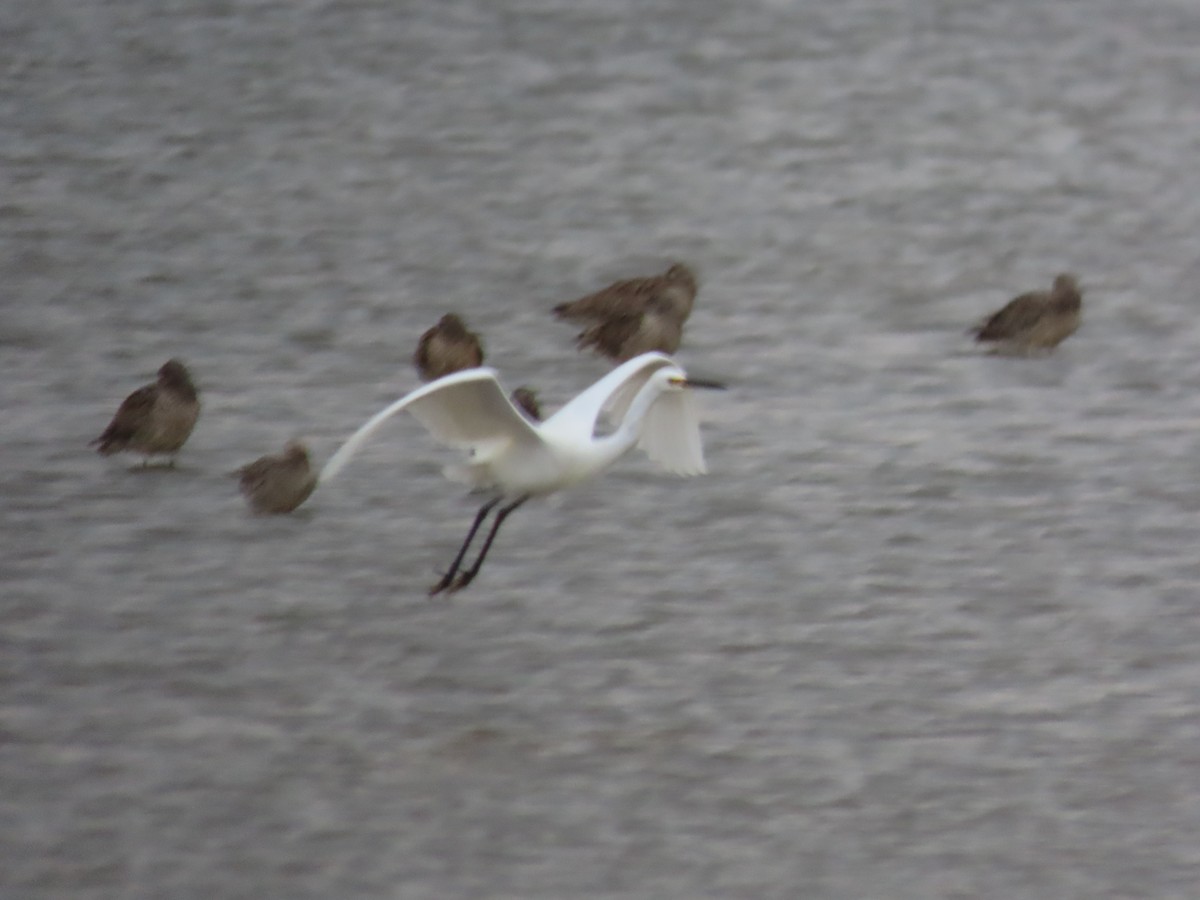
<point>646,398</point>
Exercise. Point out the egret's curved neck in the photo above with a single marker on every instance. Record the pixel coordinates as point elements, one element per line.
<point>622,439</point>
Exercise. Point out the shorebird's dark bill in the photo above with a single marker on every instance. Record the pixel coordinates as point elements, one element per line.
<point>704,383</point>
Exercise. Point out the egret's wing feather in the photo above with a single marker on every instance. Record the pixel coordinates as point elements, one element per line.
<point>338,461</point>
<point>619,401</point>
<point>470,412</point>
<point>671,434</point>
<point>618,386</point>
<point>465,409</point>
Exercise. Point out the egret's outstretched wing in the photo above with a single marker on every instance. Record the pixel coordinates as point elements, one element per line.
<point>464,409</point>
<point>612,394</point>
<point>671,434</point>
<point>617,404</point>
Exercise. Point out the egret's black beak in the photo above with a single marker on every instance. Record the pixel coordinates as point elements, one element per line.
<point>703,383</point>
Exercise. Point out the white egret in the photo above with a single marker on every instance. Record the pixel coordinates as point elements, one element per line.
<point>1038,320</point>
<point>634,316</point>
<point>156,418</point>
<point>515,458</point>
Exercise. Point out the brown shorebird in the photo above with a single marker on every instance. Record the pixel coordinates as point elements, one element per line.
<point>156,418</point>
<point>447,347</point>
<point>278,484</point>
<point>526,400</point>
<point>1039,320</point>
<point>634,316</point>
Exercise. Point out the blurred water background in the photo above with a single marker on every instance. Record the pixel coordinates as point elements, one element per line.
<point>929,627</point>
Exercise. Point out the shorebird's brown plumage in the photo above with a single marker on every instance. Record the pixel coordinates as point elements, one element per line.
<point>526,400</point>
<point>1038,320</point>
<point>634,316</point>
<point>278,483</point>
<point>155,419</point>
<point>447,347</point>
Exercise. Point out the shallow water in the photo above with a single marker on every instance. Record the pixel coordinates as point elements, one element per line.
<point>926,630</point>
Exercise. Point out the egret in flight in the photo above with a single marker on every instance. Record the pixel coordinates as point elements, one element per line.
<point>634,316</point>
<point>515,458</point>
<point>156,418</point>
<point>1038,320</point>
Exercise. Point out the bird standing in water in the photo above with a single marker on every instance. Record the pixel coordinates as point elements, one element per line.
<point>635,316</point>
<point>1038,320</point>
<point>450,347</point>
<point>447,347</point>
<point>514,459</point>
<point>156,418</point>
<point>526,400</point>
<point>280,483</point>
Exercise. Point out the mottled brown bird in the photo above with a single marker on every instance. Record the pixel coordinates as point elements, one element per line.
<point>280,483</point>
<point>1039,320</point>
<point>634,316</point>
<point>155,419</point>
<point>447,347</point>
<point>526,400</point>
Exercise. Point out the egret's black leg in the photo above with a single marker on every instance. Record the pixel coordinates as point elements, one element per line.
<point>462,551</point>
<point>468,576</point>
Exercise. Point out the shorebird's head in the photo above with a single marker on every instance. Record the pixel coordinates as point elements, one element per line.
<point>1066,282</point>
<point>296,453</point>
<point>1065,294</point>
<point>174,374</point>
<point>682,275</point>
<point>453,325</point>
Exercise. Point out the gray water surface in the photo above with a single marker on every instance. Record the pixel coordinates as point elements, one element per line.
<point>928,629</point>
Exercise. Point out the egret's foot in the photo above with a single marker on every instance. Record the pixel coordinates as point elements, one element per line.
<point>446,583</point>
<point>462,581</point>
